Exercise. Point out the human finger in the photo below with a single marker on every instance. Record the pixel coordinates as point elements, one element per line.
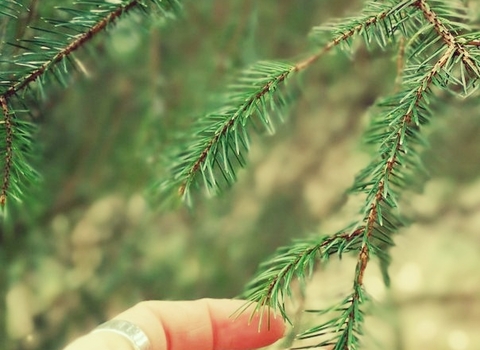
<point>204,324</point>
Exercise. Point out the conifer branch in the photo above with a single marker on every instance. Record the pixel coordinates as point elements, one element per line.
<point>269,287</point>
<point>446,35</point>
<point>379,22</point>
<point>16,144</point>
<point>382,202</point>
<point>256,98</point>
<point>381,196</point>
<point>77,42</point>
<point>342,332</point>
<point>42,56</point>
<point>219,134</point>
<point>395,130</point>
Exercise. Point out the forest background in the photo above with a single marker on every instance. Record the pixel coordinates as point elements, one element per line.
<point>88,243</point>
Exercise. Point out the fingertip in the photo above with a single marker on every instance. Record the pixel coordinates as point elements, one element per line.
<point>250,329</point>
<point>270,325</point>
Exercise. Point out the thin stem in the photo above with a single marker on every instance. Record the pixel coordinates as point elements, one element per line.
<point>7,122</point>
<point>341,38</point>
<point>473,43</point>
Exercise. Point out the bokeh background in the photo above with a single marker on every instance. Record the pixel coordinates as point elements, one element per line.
<point>89,243</point>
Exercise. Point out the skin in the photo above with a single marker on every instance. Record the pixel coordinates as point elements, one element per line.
<point>205,324</point>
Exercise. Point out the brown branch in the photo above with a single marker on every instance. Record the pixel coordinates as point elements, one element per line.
<point>432,17</point>
<point>454,48</point>
<point>228,125</point>
<point>446,35</point>
<point>473,43</point>
<point>7,121</point>
<point>70,48</point>
<point>372,217</point>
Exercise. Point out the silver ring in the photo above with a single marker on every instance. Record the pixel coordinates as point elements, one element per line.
<point>128,330</point>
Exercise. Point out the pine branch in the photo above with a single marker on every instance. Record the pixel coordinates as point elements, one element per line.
<point>378,23</point>
<point>270,287</point>
<point>221,138</point>
<point>383,180</point>
<point>346,327</point>
<point>439,58</point>
<point>50,54</point>
<point>86,25</point>
<point>452,9</point>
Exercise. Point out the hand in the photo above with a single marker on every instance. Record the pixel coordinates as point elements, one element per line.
<point>205,324</point>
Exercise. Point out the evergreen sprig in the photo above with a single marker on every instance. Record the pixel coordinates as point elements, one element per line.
<point>439,52</point>
<point>217,144</point>
<point>440,55</point>
<point>17,146</point>
<point>48,54</point>
<point>343,331</point>
<point>296,262</point>
<point>377,24</point>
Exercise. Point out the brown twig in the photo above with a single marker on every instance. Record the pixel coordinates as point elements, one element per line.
<point>473,43</point>
<point>345,236</point>
<point>7,122</point>
<point>339,39</point>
